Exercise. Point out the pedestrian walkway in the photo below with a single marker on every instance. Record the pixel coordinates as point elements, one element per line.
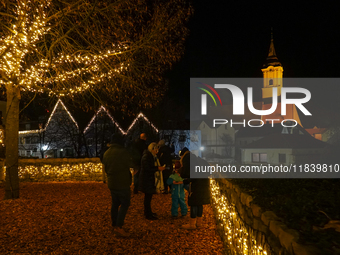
<point>166,233</point>
<point>74,218</point>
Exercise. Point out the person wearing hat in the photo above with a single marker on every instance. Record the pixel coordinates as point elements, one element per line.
<point>177,194</point>
<point>117,163</point>
<point>199,189</point>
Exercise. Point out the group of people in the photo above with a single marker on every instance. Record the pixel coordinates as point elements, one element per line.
<point>153,173</point>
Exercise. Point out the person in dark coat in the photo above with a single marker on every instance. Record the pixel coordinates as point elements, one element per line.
<point>199,189</point>
<point>164,156</point>
<point>137,151</point>
<point>106,145</point>
<point>117,163</point>
<point>149,166</point>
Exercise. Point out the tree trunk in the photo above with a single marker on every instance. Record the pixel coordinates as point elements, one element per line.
<point>11,142</point>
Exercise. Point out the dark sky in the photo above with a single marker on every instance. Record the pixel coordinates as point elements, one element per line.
<point>231,39</point>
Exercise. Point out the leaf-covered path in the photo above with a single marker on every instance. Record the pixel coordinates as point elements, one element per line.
<point>74,218</point>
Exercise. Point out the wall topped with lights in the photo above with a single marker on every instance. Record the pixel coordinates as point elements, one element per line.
<point>58,169</point>
<point>246,229</point>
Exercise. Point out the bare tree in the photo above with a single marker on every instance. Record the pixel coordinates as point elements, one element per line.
<point>98,132</point>
<point>118,49</point>
<point>62,131</point>
<point>229,143</point>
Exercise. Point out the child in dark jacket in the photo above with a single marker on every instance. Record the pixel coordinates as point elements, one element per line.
<point>177,194</point>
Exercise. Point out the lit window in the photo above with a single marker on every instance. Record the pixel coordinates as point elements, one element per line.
<point>263,157</point>
<point>255,157</point>
<point>271,82</point>
<point>259,157</point>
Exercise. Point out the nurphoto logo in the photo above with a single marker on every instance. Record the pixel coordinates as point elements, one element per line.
<point>239,102</point>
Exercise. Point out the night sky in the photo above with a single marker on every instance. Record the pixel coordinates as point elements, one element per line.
<point>231,39</point>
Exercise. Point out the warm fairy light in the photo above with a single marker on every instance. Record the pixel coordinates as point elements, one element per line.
<point>102,108</point>
<point>24,132</point>
<point>141,115</point>
<point>66,170</point>
<point>55,107</point>
<point>238,234</point>
<point>48,122</point>
<point>1,137</point>
<point>29,28</point>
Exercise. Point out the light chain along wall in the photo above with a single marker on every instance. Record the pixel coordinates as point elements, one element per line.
<point>58,169</point>
<point>244,227</point>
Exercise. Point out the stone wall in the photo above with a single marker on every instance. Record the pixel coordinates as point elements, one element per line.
<point>247,229</point>
<point>58,169</point>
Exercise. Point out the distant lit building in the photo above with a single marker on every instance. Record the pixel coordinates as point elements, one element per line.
<point>272,78</point>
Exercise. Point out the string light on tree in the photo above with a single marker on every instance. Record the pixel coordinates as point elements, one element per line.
<point>1,137</point>
<point>48,74</point>
<point>65,48</point>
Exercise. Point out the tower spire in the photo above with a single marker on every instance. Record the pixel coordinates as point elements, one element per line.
<point>271,35</point>
<point>272,59</point>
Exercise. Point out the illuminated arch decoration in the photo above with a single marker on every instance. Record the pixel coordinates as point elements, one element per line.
<point>55,108</point>
<point>49,119</point>
<point>141,115</point>
<point>102,108</point>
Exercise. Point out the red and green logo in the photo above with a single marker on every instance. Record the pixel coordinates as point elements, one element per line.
<point>209,93</point>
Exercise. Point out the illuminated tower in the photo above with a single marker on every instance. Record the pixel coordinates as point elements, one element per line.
<point>272,74</point>
<point>272,78</point>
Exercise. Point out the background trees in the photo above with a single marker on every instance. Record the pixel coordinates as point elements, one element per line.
<point>103,49</point>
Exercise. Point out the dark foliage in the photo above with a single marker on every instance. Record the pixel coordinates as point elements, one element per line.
<point>303,204</point>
